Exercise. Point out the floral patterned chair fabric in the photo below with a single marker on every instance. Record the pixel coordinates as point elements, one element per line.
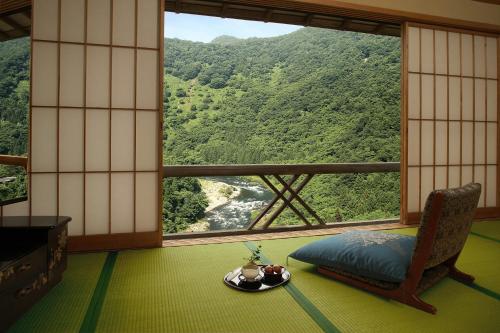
<point>455,220</point>
<point>444,227</point>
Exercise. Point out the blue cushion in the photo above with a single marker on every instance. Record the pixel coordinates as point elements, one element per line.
<point>372,254</point>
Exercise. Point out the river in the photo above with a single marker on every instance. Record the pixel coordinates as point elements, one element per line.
<point>236,213</point>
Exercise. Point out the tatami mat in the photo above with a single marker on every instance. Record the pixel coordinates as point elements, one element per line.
<point>490,229</point>
<point>460,308</point>
<point>181,290</point>
<point>65,306</point>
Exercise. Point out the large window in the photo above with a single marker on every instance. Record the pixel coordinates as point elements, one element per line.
<point>254,93</point>
<point>14,103</point>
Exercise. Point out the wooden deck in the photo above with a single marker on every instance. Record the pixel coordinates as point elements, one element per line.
<point>278,235</point>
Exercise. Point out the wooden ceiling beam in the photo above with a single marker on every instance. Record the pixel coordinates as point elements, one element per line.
<point>3,35</point>
<point>269,15</point>
<point>308,20</point>
<point>14,24</point>
<point>27,14</point>
<point>223,12</point>
<point>345,24</point>
<point>177,6</point>
<point>378,28</point>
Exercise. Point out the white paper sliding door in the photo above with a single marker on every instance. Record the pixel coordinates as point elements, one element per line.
<point>450,118</point>
<point>96,114</point>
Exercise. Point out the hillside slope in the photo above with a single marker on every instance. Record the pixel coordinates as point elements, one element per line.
<point>312,96</point>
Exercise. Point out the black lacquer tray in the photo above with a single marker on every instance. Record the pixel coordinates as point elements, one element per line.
<point>234,280</point>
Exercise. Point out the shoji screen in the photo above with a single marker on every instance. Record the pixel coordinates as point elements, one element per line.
<point>96,119</point>
<point>451,115</point>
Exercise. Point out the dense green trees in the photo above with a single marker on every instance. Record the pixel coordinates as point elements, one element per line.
<point>14,102</point>
<point>184,203</point>
<point>312,96</point>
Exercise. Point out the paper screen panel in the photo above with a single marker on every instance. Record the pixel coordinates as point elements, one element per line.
<point>122,202</point>
<point>427,102</point>
<point>98,23</point>
<point>97,140</point>
<point>479,56</point>
<point>147,23</point>
<point>441,180</point>
<point>44,194</point>
<point>454,98</point>
<point>479,100</point>
<point>492,100</point>
<point>479,143</point>
<point>413,189</point>
<point>44,139</point>
<point>16,209</point>
<point>97,80</point>
<point>454,53</point>
<point>467,142</point>
<point>71,140</point>
<point>441,143</point>
<point>467,55</point>
<point>453,176</point>
<point>147,79</point>
<point>441,48</point>
<point>414,96</point>
<point>72,71</point>
<point>123,22</point>
<point>491,188</point>
<point>414,49</point>
<point>427,142</point>
<point>441,97</point>
<point>491,57</point>
<point>122,140</point>
<point>426,184</point>
<point>147,136</point>
<point>452,112</point>
<point>427,51</point>
<point>479,172</point>
<point>467,99</point>
<point>72,20</point>
<point>122,78</point>
<point>414,142</point>
<point>45,18</point>
<point>146,201</point>
<point>95,113</point>
<point>44,75</point>
<point>454,142</point>
<point>96,203</point>
<point>492,147</point>
<point>71,201</point>
<point>466,175</point>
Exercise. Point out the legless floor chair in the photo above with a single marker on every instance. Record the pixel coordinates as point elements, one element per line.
<point>444,227</point>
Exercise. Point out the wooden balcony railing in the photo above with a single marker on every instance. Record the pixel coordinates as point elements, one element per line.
<point>14,161</point>
<point>21,161</point>
<point>289,194</point>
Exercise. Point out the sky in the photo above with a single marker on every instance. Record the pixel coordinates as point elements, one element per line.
<point>205,28</point>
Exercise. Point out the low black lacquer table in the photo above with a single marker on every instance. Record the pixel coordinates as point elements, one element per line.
<point>32,261</point>
<point>235,280</point>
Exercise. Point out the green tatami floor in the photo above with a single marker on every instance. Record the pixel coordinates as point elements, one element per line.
<point>180,289</point>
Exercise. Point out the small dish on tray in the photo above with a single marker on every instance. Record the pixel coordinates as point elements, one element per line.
<point>237,281</point>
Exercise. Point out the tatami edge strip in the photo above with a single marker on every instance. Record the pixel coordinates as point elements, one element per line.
<point>485,237</point>
<point>91,318</point>
<point>319,318</point>
<point>486,291</point>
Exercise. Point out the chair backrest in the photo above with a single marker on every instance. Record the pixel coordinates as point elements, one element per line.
<point>454,222</point>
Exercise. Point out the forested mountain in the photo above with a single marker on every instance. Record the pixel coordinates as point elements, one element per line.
<point>312,96</point>
<point>14,101</point>
<point>14,96</point>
